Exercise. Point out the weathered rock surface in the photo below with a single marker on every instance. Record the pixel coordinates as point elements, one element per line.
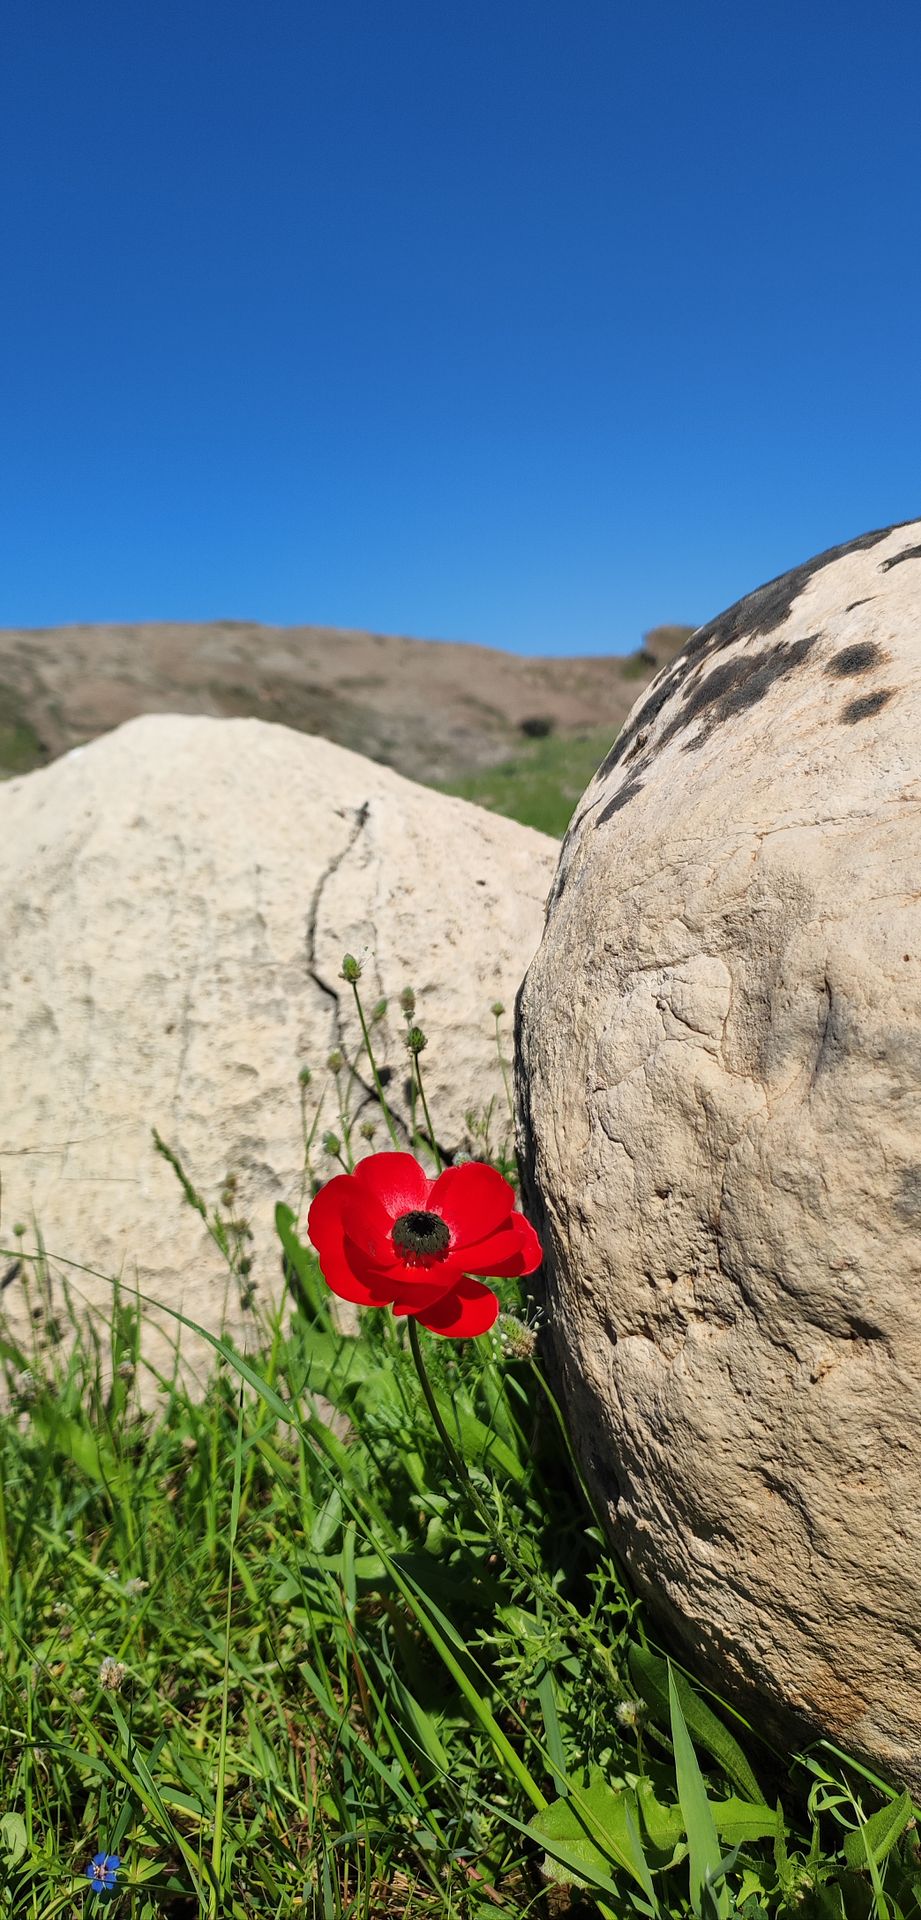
<point>175,903</point>
<point>719,1085</point>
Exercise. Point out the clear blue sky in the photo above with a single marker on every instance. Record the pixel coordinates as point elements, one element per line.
<point>523,323</point>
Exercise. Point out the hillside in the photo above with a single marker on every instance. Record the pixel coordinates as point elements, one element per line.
<point>466,718</point>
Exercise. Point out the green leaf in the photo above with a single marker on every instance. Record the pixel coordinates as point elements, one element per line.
<point>650,1678</point>
<point>480,1445</point>
<point>664,1825</point>
<point>327,1522</point>
<point>546,1695</point>
<point>13,1838</point>
<point>878,1835</point>
<point>736,1821</point>
<point>703,1840</point>
<point>421,1727</point>
<point>591,1829</point>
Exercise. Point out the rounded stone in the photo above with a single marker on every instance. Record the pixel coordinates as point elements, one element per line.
<point>175,902</point>
<point>719,1100</point>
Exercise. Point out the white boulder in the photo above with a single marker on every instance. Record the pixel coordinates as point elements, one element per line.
<point>720,1128</point>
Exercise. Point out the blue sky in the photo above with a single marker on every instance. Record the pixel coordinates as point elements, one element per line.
<point>519,323</point>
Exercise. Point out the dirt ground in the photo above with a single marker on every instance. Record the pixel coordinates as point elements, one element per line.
<point>431,709</point>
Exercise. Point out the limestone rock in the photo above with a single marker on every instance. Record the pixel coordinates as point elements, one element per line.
<point>720,1130</point>
<point>175,902</point>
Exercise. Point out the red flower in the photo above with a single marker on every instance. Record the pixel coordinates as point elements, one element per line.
<point>388,1236</point>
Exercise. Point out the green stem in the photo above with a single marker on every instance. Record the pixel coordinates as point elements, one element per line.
<point>373,1065</point>
<point>456,1459</point>
<point>508,1091</point>
<point>425,1108</point>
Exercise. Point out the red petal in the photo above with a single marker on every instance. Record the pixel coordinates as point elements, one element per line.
<point>515,1250</point>
<point>468,1310</point>
<point>344,1204</point>
<point>345,1266</point>
<point>419,1299</point>
<point>397,1182</point>
<point>341,1279</point>
<point>473,1199</point>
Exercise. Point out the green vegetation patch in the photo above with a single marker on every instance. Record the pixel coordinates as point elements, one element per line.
<point>541,784</point>
<point>20,746</point>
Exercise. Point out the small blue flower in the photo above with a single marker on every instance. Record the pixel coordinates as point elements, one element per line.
<point>101,1872</point>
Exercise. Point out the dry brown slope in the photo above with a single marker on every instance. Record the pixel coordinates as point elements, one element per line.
<point>431,709</point>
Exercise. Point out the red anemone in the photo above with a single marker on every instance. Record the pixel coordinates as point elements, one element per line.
<point>389,1236</point>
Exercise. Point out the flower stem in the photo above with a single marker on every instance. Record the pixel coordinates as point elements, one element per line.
<point>373,1064</point>
<point>425,1108</point>
<point>456,1459</point>
<point>538,1586</point>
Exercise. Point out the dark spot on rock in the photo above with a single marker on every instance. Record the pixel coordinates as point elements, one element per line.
<point>859,603</point>
<point>621,799</point>
<point>767,608</point>
<point>637,747</point>
<point>907,1201</point>
<point>752,618</point>
<point>908,553</point>
<point>863,1329</point>
<point>866,706</point>
<point>640,723</point>
<point>737,685</point>
<point>906,956</point>
<point>855,659</point>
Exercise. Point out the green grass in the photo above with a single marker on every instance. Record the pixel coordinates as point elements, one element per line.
<point>344,1680</point>
<point>20,746</point>
<point>541,784</point>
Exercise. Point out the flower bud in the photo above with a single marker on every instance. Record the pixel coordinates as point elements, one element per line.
<point>332,1143</point>
<point>497,1009</point>
<point>415,1040</point>
<point>304,1077</point>
<point>351,969</point>
<point>378,1011</point>
<point>408,1002</point>
<point>336,1060</point>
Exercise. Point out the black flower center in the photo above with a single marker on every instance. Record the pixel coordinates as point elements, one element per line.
<point>422,1238</point>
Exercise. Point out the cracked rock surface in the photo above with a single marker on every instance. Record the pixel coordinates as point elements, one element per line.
<point>719,1089</point>
<point>175,902</point>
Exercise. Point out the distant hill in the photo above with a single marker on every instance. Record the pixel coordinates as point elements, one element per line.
<point>442,713</point>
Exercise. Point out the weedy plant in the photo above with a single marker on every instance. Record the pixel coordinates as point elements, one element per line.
<point>342,1635</point>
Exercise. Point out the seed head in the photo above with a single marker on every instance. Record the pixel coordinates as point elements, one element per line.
<point>497,1009</point>
<point>351,969</point>
<point>408,1002</point>
<point>304,1077</point>
<point>367,1129</point>
<point>332,1143</point>
<point>517,1339</point>
<point>378,1011</point>
<point>336,1060</point>
<point>415,1040</point>
<point>111,1676</point>
<point>630,1714</point>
